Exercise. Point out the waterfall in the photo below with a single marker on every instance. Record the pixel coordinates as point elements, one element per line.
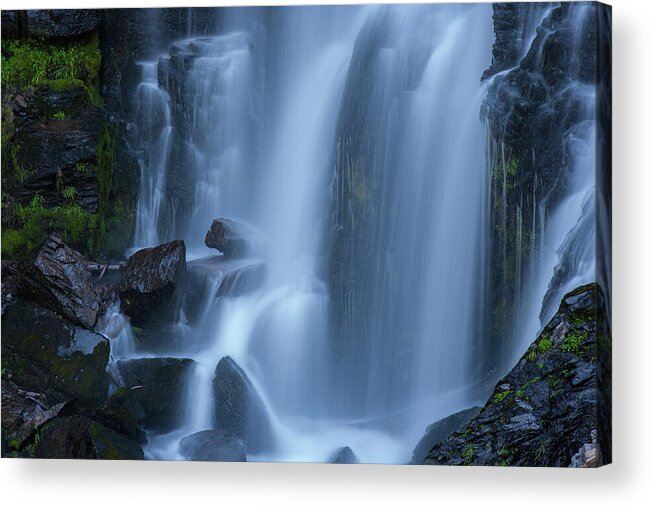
<point>353,140</point>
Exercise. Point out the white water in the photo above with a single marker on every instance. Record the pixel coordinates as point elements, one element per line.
<point>259,126</point>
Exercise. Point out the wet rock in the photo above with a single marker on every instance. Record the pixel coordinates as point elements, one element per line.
<point>345,455</point>
<point>150,284</point>
<point>212,445</point>
<point>47,354</point>
<point>124,414</point>
<point>62,22</point>
<point>545,409</point>
<point>23,412</point>
<point>588,455</point>
<point>218,277</point>
<point>12,273</point>
<point>52,150</point>
<point>232,238</point>
<point>439,431</point>
<point>238,407</point>
<point>60,280</point>
<point>160,386</point>
<point>79,437</point>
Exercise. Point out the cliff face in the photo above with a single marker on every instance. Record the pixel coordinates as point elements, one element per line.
<point>543,85</point>
<point>547,411</point>
<point>65,162</point>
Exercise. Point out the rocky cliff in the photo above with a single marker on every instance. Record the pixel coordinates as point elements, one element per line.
<point>550,409</point>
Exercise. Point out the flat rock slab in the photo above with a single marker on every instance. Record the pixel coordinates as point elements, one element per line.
<point>160,386</point>
<point>232,238</point>
<point>150,283</point>
<point>212,445</point>
<point>60,280</point>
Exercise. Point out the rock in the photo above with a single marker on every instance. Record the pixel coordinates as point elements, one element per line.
<point>79,437</point>
<point>439,431</point>
<point>588,455</point>
<point>344,456</point>
<point>124,414</point>
<point>545,409</point>
<point>22,413</point>
<point>212,445</point>
<point>12,273</point>
<point>60,280</point>
<point>62,22</point>
<point>239,409</point>
<point>160,386</point>
<point>45,353</point>
<point>151,282</point>
<point>232,238</point>
<point>220,277</point>
<point>10,24</point>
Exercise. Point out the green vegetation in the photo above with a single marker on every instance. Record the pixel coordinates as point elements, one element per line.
<point>32,224</point>
<point>468,454</point>
<point>34,63</point>
<point>70,194</point>
<point>60,115</point>
<point>83,167</point>
<point>520,392</point>
<point>512,166</point>
<point>544,345</point>
<point>572,342</point>
<point>499,397</point>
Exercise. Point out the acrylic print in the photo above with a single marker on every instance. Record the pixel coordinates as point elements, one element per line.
<point>339,234</point>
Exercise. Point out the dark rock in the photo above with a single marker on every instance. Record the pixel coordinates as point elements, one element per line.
<point>588,454</point>
<point>218,277</point>
<point>22,413</point>
<point>11,24</point>
<point>238,407</point>
<point>60,280</point>
<point>160,386</point>
<point>232,238</point>
<point>62,22</point>
<point>212,445</point>
<point>150,284</point>
<point>44,353</point>
<point>544,410</point>
<point>51,151</point>
<point>124,414</point>
<point>344,456</point>
<point>439,431</point>
<point>12,273</point>
<point>79,437</point>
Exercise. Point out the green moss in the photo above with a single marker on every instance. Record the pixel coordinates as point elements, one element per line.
<point>544,345</point>
<point>520,392</point>
<point>60,115</point>
<point>572,341</point>
<point>32,63</point>
<point>468,454</point>
<point>62,85</point>
<point>34,222</point>
<point>512,166</point>
<point>499,397</point>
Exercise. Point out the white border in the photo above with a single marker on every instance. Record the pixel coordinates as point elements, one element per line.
<point>627,482</point>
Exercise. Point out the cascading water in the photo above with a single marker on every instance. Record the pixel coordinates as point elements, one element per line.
<point>255,123</point>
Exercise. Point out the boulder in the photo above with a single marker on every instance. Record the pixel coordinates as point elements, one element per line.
<point>62,22</point>
<point>344,456</point>
<point>22,413</point>
<point>439,431</point>
<point>545,409</point>
<point>60,280</point>
<point>124,414</point>
<point>11,276</point>
<point>79,437</point>
<point>44,353</point>
<point>239,409</point>
<point>232,238</point>
<point>212,445</point>
<point>160,386</point>
<point>220,277</point>
<point>151,282</point>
